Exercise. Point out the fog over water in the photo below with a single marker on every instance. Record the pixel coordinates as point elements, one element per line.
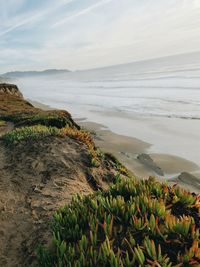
<point>160,90</point>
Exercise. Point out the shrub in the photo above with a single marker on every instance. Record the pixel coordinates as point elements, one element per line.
<point>132,224</point>
<point>40,118</point>
<point>45,119</point>
<point>26,133</point>
<point>2,123</point>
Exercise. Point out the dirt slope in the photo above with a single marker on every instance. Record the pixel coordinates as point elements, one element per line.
<point>36,178</point>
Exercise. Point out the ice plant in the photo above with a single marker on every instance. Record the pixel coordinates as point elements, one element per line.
<point>132,224</point>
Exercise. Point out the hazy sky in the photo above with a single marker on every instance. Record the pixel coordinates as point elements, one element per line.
<point>81,34</point>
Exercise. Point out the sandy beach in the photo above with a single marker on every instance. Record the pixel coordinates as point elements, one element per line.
<point>127,149</point>
<point>149,108</point>
<point>164,166</point>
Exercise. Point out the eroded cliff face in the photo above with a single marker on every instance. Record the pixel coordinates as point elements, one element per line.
<point>10,89</point>
<point>38,176</point>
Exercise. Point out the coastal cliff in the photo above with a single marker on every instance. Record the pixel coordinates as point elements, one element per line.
<point>41,168</point>
<point>10,89</point>
<point>117,220</point>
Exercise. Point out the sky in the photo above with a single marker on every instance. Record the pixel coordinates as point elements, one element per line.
<point>85,34</point>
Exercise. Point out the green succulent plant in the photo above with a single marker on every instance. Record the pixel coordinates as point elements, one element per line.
<point>132,224</point>
<point>28,133</point>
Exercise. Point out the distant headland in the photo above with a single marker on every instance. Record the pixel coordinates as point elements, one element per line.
<point>23,74</point>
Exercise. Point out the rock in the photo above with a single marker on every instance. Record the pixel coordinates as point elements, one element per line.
<point>148,162</point>
<point>10,89</point>
<point>189,179</point>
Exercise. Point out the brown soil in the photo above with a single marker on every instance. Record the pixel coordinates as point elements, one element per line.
<point>35,180</point>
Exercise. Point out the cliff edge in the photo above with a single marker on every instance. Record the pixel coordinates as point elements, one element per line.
<point>10,89</point>
<point>45,158</point>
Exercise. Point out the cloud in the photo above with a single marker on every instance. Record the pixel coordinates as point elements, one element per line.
<point>80,34</point>
<point>82,12</point>
<point>34,17</point>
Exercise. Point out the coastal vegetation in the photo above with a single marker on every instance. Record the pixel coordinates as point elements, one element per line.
<point>46,119</point>
<point>125,222</point>
<point>2,123</point>
<point>134,223</point>
<point>39,131</point>
<point>28,133</point>
<point>15,109</point>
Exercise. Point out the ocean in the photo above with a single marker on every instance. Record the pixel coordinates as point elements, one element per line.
<point>163,91</point>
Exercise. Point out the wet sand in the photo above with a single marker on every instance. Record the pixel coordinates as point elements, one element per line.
<point>171,136</point>
<point>127,149</point>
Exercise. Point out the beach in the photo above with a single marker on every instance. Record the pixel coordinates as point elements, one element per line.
<point>127,149</point>
<point>150,107</point>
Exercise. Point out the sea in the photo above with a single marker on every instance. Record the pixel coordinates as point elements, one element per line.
<point>156,100</point>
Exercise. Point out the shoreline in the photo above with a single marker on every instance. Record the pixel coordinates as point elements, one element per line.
<point>127,149</point>
<point>169,136</point>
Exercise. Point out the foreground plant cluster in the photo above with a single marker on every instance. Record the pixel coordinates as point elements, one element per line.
<point>135,223</point>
